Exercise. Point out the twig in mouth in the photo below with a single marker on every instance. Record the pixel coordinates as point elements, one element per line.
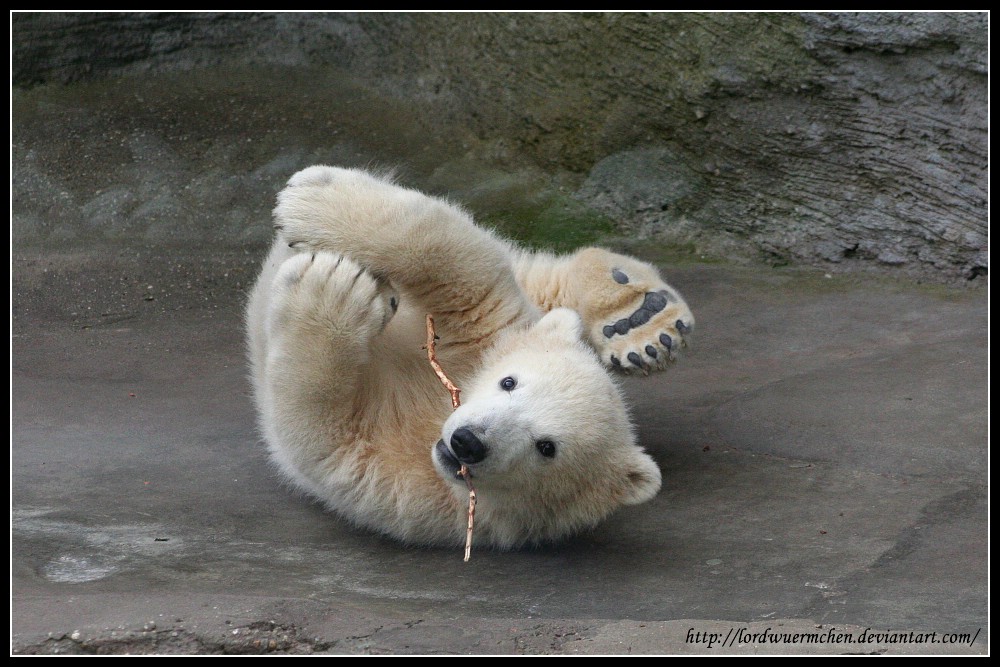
<point>432,357</point>
<point>455,402</point>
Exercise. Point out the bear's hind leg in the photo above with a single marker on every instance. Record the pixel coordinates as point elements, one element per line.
<point>635,321</point>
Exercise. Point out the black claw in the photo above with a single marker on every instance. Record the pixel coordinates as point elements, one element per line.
<point>654,302</point>
<point>393,304</point>
<point>683,328</point>
<point>622,326</point>
<point>609,331</point>
<point>651,351</point>
<point>666,341</point>
<point>634,358</point>
<point>639,317</point>
<point>619,277</point>
<point>615,361</point>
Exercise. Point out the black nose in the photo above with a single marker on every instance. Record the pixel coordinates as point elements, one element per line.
<point>467,447</point>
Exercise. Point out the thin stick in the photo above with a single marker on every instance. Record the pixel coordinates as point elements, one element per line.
<point>455,402</point>
<point>472,512</point>
<point>449,385</point>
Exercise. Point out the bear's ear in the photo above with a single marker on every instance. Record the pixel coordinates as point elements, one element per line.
<point>563,322</point>
<point>642,479</point>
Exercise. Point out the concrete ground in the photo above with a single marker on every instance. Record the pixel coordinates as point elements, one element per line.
<point>823,443</point>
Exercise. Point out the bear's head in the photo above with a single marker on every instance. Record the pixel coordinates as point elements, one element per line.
<point>546,436</point>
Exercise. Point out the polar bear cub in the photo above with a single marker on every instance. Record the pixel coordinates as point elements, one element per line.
<point>353,414</point>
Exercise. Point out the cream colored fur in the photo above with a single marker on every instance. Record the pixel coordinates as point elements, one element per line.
<point>351,410</point>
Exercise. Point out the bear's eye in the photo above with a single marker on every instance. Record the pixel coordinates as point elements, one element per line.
<point>546,448</point>
<point>508,383</point>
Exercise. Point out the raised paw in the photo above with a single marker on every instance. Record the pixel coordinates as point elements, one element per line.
<point>319,174</point>
<point>324,208</point>
<point>328,295</point>
<point>636,321</point>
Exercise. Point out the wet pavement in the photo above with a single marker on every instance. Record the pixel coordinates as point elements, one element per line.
<point>823,445</point>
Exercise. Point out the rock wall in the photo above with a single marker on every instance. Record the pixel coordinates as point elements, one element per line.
<point>836,140</point>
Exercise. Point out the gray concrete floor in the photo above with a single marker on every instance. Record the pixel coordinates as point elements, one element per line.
<point>823,443</point>
<point>823,446</point>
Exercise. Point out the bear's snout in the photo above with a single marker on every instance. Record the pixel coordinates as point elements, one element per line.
<point>467,447</point>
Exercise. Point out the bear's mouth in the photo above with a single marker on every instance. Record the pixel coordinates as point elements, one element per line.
<point>448,460</point>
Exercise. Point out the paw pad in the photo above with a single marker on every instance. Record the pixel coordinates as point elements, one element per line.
<point>652,303</point>
<point>650,336</point>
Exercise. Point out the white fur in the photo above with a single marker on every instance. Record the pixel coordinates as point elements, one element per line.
<point>351,409</point>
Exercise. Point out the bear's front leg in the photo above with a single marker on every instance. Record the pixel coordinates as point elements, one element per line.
<point>635,321</point>
<point>430,249</point>
<point>322,313</point>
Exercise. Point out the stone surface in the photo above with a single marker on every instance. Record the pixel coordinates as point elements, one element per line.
<point>848,140</point>
<point>811,479</point>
